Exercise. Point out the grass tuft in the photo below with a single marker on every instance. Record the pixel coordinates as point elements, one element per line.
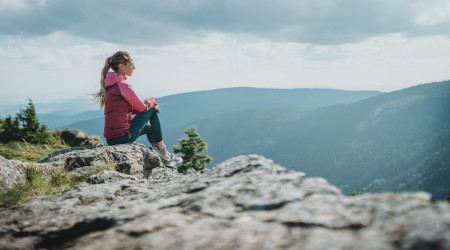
<point>38,184</point>
<point>26,152</point>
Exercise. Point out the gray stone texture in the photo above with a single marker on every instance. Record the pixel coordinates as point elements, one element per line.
<point>132,158</point>
<point>247,202</point>
<point>11,172</point>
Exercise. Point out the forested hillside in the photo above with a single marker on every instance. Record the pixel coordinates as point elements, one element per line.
<point>398,141</point>
<point>205,104</point>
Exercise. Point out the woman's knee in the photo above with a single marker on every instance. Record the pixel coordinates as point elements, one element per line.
<point>153,111</point>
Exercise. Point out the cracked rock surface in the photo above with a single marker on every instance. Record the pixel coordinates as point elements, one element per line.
<point>131,158</point>
<point>247,202</point>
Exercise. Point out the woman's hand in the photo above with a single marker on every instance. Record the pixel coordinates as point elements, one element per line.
<point>157,108</point>
<point>151,102</point>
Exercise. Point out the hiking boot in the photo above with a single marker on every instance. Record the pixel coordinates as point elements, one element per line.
<point>175,160</point>
<point>169,159</point>
<point>161,152</point>
<point>169,163</point>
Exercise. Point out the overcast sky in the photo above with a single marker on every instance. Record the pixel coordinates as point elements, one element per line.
<point>55,49</point>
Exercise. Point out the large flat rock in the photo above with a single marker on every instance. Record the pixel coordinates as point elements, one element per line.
<point>247,202</point>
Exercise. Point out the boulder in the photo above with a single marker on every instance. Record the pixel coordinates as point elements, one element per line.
<point>131,158</point>
<point>247,202</point>
<point>12,172</point>
<point>77,137</point>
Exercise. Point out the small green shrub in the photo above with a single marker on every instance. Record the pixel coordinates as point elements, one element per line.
<point>193,149</point>
<point>355,193</point>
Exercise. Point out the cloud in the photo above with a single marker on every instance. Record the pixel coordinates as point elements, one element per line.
<point>56,48</point>
<point>63,66</point>
<point>12,4</point>
<point>174,21</point>
<point>429,15</point>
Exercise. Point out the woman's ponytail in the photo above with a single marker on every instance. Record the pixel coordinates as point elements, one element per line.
<point>113,63</point>
<point>100,96</point>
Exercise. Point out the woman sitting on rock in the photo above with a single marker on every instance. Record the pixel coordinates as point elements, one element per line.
<point>121,102</point>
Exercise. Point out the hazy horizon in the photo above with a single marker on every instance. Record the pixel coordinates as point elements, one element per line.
<point>88,103</point>
<point>87,97</point>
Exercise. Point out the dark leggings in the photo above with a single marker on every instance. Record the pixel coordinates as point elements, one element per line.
<point>143,123</point>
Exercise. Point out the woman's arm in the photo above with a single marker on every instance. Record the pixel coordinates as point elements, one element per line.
<point>131,97</point>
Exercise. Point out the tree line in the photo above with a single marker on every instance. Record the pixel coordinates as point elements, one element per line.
<point>24,126</point>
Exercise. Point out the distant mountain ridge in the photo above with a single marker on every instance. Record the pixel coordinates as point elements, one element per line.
<point>183,108</point>
<point>366,141</point>
<point>399,141</point>
<point>59,120</point>
<point>63,108</point>
<point>202,104</point>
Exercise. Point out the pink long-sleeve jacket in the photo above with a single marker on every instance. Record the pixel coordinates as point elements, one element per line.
<point>121,103</point>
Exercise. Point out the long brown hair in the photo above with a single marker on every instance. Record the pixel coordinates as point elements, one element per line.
<point>113,63</point>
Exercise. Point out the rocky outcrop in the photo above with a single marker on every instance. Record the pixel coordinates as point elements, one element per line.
<point>132,158</point>
<point>247,202</point>
<point>76,137</point>
<point>12,172</point>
